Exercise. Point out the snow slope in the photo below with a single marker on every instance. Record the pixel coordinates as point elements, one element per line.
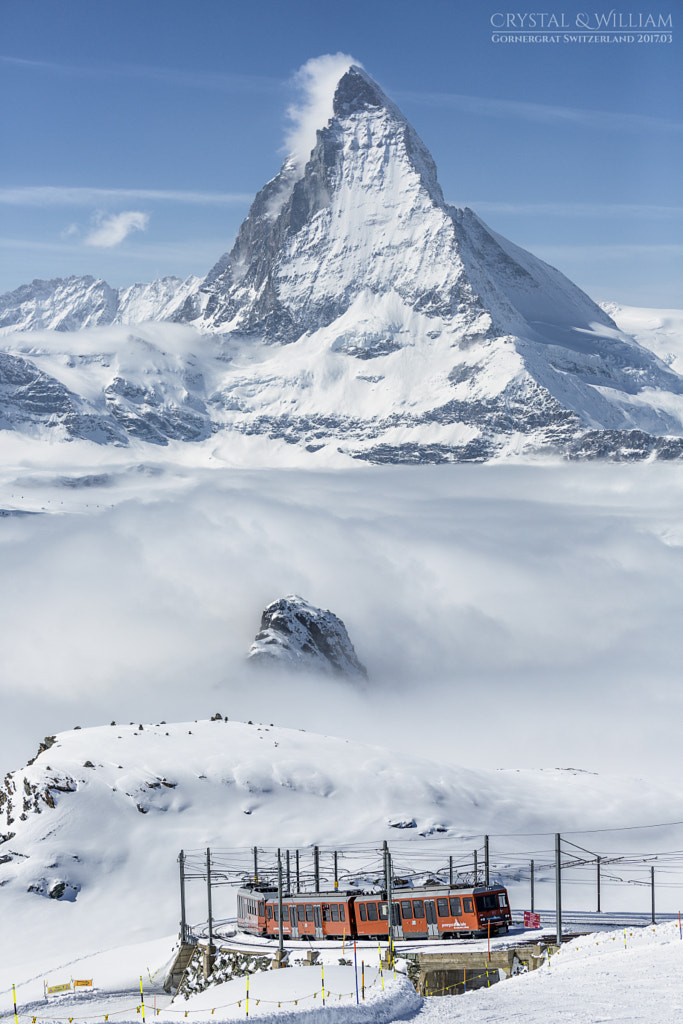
<point>660,330</point>
<point>631,978</point>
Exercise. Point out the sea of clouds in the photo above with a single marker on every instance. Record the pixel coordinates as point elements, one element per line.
<point>508,615</point>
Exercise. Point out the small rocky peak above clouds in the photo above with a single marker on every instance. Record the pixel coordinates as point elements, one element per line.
<point>296,635</point>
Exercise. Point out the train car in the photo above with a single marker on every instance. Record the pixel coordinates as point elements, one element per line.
<point>429,912</point>
<point>311,915</point>
<point>251,909</point>
<point>434,912</point>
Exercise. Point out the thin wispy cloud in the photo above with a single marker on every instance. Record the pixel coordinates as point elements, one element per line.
<point>218,80</point>
<point>607,252</point>
<point>541,112</point>
<point>112,230</point>
<point>53,195</point>
<point>569,209</point>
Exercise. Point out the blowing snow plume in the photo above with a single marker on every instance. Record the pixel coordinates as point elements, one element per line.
<point>316,80</point>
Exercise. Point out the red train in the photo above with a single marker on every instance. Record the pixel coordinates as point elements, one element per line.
<point>429,912</point>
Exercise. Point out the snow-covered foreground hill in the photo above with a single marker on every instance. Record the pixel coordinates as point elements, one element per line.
<point>93,827</point>
<point>595,978</point>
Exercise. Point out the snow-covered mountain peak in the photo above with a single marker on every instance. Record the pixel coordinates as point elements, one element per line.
<point>479,349</point>
<point>366,213</point>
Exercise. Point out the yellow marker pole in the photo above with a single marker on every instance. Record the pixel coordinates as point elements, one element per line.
<point>247,995</point>
<point>362,977</point>
<point>14,998</point>
<point>142,1000</point>
<point>625,937</point>
<point>344,941</point>
<point>322,975</point>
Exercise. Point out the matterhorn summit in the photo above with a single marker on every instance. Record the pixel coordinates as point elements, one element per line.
<point>359,315</point>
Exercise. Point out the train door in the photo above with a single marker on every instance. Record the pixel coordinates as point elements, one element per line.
<point>318,921</point>
<point>430,914</point>
<point>397,922</point>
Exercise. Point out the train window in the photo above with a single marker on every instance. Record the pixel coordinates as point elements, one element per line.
<point>442,908</point>
<point>301,912</point>
<point>418,908</point>
<point>487,902</point>
<point>363,912</point>
<point>269,912</point>
<point>285,913</point>
<point>342,915</point>
<point>334,908</point>
<point>383,911</point>
<point>456,909</point>
<point>276,914</point>
<point>502,899</point>
<point>372,911</point>
<point>309,911</point>
<point>261,909</point>
<point>326,912</point>
<point>467,905</point>
<point>406,908</point>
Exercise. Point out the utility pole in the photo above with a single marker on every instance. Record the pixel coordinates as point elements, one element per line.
<point>279,904</point>
<point>289,875</point>
<point>598,868</point>
<point>255,866</point>
<point>558,889</point>
<point>450,871</point>
<point>387,886</point>
<point>532,887</point>
<point>652,883</point>
<point>210,949</point>
<point>486,860</point>
<point>336,872</point>
<point>476,869</point>
<point>183,920</point>
<point>316,868</point>
<point>298,883</point>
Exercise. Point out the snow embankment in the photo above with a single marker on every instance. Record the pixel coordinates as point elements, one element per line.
<point>297,994</point>
<point>632,976</point>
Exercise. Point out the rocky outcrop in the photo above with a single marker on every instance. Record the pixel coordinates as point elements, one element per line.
<point>296,635</point>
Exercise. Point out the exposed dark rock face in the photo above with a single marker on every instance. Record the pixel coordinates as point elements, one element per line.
<point>296,635</point>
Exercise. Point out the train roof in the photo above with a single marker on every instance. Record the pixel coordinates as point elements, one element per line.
<point>423,891</point>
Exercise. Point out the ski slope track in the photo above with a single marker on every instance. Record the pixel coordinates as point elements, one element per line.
<point>357,316</point>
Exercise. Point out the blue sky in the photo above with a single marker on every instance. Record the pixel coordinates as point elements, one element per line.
<point>136,133</point>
